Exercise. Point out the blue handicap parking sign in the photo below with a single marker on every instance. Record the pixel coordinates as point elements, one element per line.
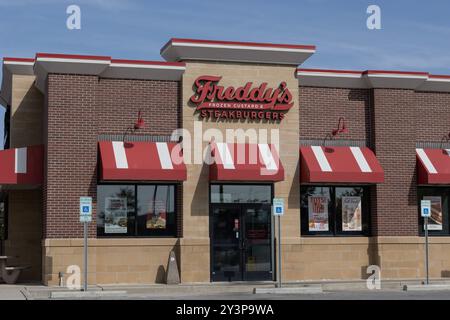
<point>86,209</point>
<point>278,210</point>
<point>425,211</point>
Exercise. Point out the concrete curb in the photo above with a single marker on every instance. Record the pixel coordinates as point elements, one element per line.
<point>427,287</point>
<point>187,289</point>
<point>309,287</point>
<point>289,290</point>
<point>86,295</point>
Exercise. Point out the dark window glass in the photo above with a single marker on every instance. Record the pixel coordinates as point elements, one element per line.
<point>316,206</point>
<point>136,210</point>
<point>3,217</point>
<point>156,210</point>
<point>116,210</point>
<point>232,193</point>
<point>330,210</point>
<point>350,204</point>
<point>6,127</point>
<point>438,223</point>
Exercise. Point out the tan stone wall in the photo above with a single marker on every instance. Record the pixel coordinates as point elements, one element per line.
<point>348,258</point>
<point>25,231</point>
<point>27,105</point>
<point>110,261</point>
<point>195,192</point>
<point>144,261</point>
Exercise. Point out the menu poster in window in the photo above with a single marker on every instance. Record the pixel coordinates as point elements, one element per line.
<point>318,213</point>
<point>435,221</point>
<point>157,218</point>
<point>116,215</point>
<point>351,214</point>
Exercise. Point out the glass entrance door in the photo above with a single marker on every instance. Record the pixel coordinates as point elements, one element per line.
<point>257,242</point>
<point>226,244</point>
<point>241,242</point>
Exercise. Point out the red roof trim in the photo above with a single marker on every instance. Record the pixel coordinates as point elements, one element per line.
<point>146,62</point>
<point>239,43</point>
<point>396,72</point>
<point>439,76</point>
<point>18,59</point>
<point>330,71</point>
<point>72,56</point>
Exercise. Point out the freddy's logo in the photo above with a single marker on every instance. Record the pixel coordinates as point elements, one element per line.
<point>248,101</point>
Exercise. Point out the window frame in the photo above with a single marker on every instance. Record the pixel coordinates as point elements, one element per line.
<point>228,183</point>
<point>170,234</point>
<point>335,221</point>
<point>445,232</point>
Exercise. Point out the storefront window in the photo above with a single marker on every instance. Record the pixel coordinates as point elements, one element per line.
<point>438,223</point>
<point>3,217</point>
<point>136,210</point>
<point>156,210</point>
<point>330,210</point>
<point>234,193</point>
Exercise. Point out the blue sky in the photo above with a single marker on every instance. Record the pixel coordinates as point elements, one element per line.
<point>414,34</point>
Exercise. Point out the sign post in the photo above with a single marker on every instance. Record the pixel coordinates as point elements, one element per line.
<point>85,218</point>
<point>425,212</point>
<point>278,211</point>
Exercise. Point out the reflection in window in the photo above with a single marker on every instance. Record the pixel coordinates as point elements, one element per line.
<point>131,210</point>
<point>329,210</point>
<point>156,209</point>
<point>315,207</point>
<point>3,218</point>
<point>438,223</point>
<point>231,193</point>
<point>115,210</point>
<point>349,209</point>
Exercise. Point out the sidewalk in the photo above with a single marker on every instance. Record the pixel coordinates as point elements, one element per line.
<point>13,291</point>
<point>39,292</point>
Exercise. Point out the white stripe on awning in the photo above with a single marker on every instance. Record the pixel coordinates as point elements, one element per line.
<point>164,155</point>
<point>426,161</point>
<point>360,159</point>
<point>267,156</point>
<point>20,163</point>
<point>448,152</point>
<point>119,155</point>
<point>225,155</point>
<point>321,159</point>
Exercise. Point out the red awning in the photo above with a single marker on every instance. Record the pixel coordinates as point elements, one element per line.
<point>339,165</point>
<point>245,162</point>
<point>433,166</point>
<point>22,165</point>
<point>151,161</point>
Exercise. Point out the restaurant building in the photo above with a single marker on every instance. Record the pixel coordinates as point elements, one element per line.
<point>351,153</point>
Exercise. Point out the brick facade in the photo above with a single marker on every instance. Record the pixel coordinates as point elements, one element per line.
<point>436,123</point>
<point>79,108</point>
<point>394,123</point>
<point>391,122</point>
<point>320,109</point>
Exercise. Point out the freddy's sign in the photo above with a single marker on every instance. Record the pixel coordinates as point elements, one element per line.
<point>246,102</point>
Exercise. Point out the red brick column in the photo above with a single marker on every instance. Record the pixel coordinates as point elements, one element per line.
<point>71,153</point>
<point>394,203</point>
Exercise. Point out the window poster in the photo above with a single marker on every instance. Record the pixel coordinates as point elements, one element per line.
<point>318,213</point>
<point>157,218</point>
<point>116,215</point>
<point>435,221</point>
<point>351,214</point>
